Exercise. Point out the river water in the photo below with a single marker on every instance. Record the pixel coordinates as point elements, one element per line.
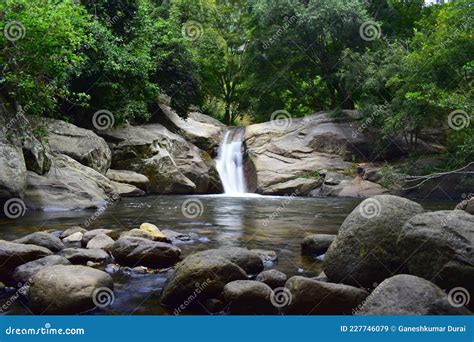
<point>265,222</point>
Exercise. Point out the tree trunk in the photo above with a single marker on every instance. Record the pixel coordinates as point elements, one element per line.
<point>227,118</point>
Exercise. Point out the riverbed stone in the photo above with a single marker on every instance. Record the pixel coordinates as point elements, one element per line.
<point>72,230</point>
<point>248,297</point>
<point>13,255</point>
<point>153,232</point>
<point>176,237</point>
<point>249,261</point>
<point>100,241</point>
<point>82,255</point>
<point>208,272</point>
<point>134,251</point>
<point>272,278</point>
<point>25,272</point>
<point>439,246</point>
<point>405,294</point>
<point>313,297</point>
<point>364,250</point>
<point>74,239</point>
<point>89,235</point>
<point>268,257</point>
<point>67,289</point>
<point>42,239</point>
<point>316,244</point>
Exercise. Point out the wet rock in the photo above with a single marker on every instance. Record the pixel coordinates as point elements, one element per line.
<point>42,239</point>
<point>364,250</point>
<point>68,289</point>
<point>154,232</point>
<point>249,261</point>
<point>405,294</point>
<point>13,255</point>
<point>82,255</point>
<point>72,230</point>
<point>313,297</point>
<point>177,238</point>
<point>272,278</point>
<point>248,297</point>
<point>89,235</point>
<point>132,251</point>
<point>74,238</point>
<point>129,177</point>
<point>316,244</point>
<point>202,276</point>
<point>268,257</point>
<point>25,272</point>
<point>100,241</point>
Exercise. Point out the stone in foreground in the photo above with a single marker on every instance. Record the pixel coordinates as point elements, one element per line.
<point>25,272</point>
<point>248,297</point>
<point>249,261</point>
<point>272,278</point>
<point>67,289</point>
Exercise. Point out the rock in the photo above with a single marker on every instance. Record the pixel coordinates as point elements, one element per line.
<point>35,154</point>
<point>42,239</point>
<point>334,178</point>
<point>248,297</point>
<point>313,297</point>
<point>13,175</point>
<point>82,255</point>
<point>467,205</point>
<point>13,255</point>
<point>75,238</point>
<point>100,241</point>
<point>321,277</point>
<point>356,188</point>
<point>80,144</point>
<point>272,278</point>
<point>89,235</point>
<point>68,289</point>
<point>249,261</point>
<point>268,257</point>
<point>176,237</point>
<point>25,272</point>
<point>203,118</point>
<point>364,250</point>
<point>439,246</point>
<point>133,251</point>
<point>68,185</point>
<point>209,273</point>
<point>136,233</point>
<point>72,230</point>
<point>316,244</point>
<point>129,177</point>
<point>153,232</point>
<point>127,190</point>
<point>405,294</point>
<point>214,305</point>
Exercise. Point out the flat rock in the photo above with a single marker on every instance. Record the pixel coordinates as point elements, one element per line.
<point>129,177</point>
<point>74,238</point>
<point>82,255</point>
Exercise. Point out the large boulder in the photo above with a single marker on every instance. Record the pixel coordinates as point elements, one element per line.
<point>313,297</point>
<point>249,261</point>
<point>364,251</point>
<point>248,297</point>
<point>13,255</point>
<point>68,185</point>
<point>80,144</point>
<point>202,276</point>
<point>405,294</point>
<point>25,272</point>
<point>83,256</point>
<point>129,177</point>
<point>439,246</point>
<point>135,251</point>
<point>13,172</point>
<point>68,289</point>
<point>316,244</point>
<point>42,239</point>
<point>172,164</point>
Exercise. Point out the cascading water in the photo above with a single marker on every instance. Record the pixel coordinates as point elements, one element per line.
<point>230,162</point>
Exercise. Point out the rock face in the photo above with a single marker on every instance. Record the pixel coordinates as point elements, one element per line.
<point>405,294</point>
<point>364,251</point>
<point>356,188</point>
<point>439,246</point>
<point>313,297</point>
<point>248,297</point>
<point>13,255</point>
<point>13,174</point>
<point>272,278</point>
<point>42,239</point>
<point>172,164</point>
<point>129,177</point>
<point>208,273</point>
<point>249,261</point>
<point>25,272</point>
<point>316,244</point>
<point>127,190</point>
<point>67,289</point>
<point>68,185</point>
<point>80,144</point>
<point>83,256</point>
<point>133,251</point>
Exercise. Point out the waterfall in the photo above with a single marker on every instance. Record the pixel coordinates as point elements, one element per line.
<point>230,164</point>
